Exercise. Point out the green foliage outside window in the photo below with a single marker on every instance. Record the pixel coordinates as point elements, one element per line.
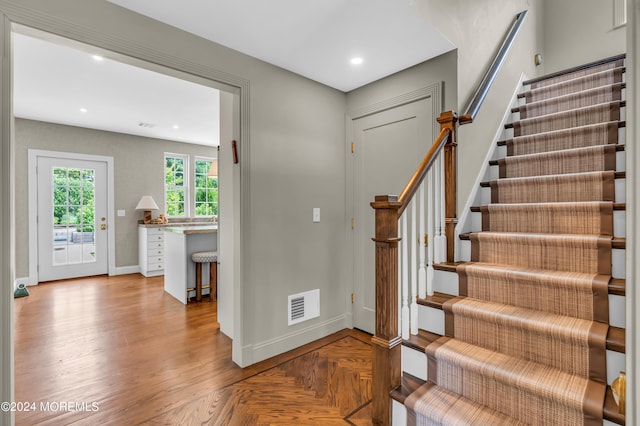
<point>175,186</point>
<point>206,190</point>
<point>74,198</point>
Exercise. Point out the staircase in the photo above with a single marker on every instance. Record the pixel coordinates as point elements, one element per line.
<point>529,329</point>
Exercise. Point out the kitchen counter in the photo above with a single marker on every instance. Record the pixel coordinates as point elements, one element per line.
<point>180,243</point>
<point>192,229</point>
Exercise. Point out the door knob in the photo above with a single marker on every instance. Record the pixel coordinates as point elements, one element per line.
<point>103,227</point>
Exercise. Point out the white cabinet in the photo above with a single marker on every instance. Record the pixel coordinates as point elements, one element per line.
<point>151,251</point>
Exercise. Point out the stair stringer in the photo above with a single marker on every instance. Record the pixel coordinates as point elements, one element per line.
<point>465,220</point>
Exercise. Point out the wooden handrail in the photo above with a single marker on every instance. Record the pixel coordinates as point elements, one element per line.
<point>492,72</point>
<point>418,176</point>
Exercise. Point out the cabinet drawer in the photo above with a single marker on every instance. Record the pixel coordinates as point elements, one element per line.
<point>155,245</point>
<point>155,250</point>
<point>155,237</point>
<point>155,266</point>
<point>155,259</point>
<point>154,231</point>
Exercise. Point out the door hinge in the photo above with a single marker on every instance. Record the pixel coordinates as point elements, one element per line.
<point>353,147</point>
<point>353,223</point>
<point>353,298</point>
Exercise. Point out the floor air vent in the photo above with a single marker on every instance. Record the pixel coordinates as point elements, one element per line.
<point>304,306</point>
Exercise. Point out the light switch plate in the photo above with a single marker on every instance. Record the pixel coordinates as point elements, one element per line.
<point>316,214</point>
<point>121,213</point>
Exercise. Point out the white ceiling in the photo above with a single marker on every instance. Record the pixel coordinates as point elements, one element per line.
<point>313,38</point>
<point>54,78</point>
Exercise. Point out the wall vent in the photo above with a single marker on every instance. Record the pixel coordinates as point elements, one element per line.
<point>304,306</point>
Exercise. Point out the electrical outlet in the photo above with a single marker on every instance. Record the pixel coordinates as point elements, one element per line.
<point>316,214</point>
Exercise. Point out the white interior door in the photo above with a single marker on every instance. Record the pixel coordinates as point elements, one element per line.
<point>72,218</point>
<point>389,145</point>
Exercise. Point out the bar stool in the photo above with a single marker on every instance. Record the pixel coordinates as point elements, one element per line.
<point>210,257</point>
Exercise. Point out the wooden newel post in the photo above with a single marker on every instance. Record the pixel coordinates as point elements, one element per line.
<point>448,119</point>
<point>386,342</point>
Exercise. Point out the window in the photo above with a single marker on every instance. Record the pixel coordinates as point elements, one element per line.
<point>206,189</point>
<point>175,185</point>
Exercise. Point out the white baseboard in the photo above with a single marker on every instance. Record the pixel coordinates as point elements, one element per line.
<point>124,270</point>
<point>272,347</point>
<point>24,280</point>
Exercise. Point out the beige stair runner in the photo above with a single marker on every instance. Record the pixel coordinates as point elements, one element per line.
<point>525,342</point>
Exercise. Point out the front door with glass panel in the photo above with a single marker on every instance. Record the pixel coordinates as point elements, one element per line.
<point>72,218</point>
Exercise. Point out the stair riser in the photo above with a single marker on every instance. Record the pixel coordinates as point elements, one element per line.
<point>620,166</point>
<point>620,194</point>
<point>570,102</point>
<point>502,396</point>
<point>432,319</point>
<point>619,224</point>
<point>618,261</point>
<point>399,416</point>
<point>414,362</point>
<point>509,133</point>
<point>447,282</point>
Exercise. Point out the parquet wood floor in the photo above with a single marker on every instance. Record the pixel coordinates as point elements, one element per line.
<point>144,358</point>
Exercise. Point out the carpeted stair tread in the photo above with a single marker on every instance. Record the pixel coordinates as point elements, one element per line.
<point>573,345</point>
<point>575,294</point>
<point>576,160</point>
<point>573,74</point>
<point>598,95</point>
<point>600,113</point>
<point>570,187</point>
<point>438,406</point>
<point>562,252</point>
<point>588,217</point>
<point>577,137</point>
<point>578,84</point>
<point>516,387</point>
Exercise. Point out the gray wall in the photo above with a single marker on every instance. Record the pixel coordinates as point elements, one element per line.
<point>138,168</point>
<point>295,162</point>
<point>477,29</point>
<point>579,31</point>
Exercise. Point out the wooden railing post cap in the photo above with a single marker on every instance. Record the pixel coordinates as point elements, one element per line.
<point>386,198</point>
<point>386,202</point>
<point>447,116</point>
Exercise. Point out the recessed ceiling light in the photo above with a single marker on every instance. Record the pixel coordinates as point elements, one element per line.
<point>98,58</point>
<point>356,61</point>
<point>175,126</point>
<point>83,110</point>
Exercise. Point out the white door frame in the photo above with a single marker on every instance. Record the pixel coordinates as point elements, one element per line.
<point>434,92</point>
<point>33,155</point>
<point>11,14</point>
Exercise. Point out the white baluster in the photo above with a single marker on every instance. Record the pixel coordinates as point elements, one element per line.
<point>437,201</point>
<point>422,271</point>
<point>405,279</point>
<point>430,230</point>
<point>414,269</point>
<point>443,216</point>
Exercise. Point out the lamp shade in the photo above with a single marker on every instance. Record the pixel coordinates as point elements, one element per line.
<point>147,203</point>
<point>213,170</point>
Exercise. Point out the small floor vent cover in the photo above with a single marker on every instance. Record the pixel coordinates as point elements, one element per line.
<point>304,306</point>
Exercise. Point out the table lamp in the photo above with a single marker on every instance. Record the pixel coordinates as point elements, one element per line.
<point>147,204</point>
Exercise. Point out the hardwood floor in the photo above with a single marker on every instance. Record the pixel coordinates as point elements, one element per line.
<point>118,350</point>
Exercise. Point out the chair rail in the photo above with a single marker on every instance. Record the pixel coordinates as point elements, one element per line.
<point>492,72</point>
